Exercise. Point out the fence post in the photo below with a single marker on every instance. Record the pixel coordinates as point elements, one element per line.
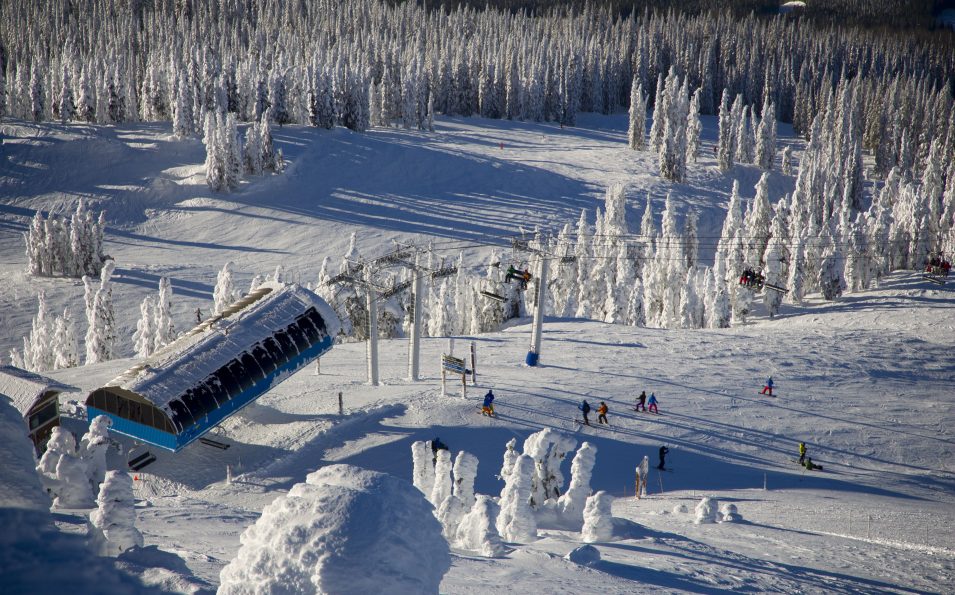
<point>473,363</point>
<point>341,405</point>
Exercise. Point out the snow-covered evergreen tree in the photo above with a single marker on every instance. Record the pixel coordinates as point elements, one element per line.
<point>766,137</point>
<point>113,524</point>
<point>516,521</point>
<point>726,145</point>
<point>165,328</point>
<point>92,450</point>
<point>66,349</point>
<point>225,292</point>
<point>598,521</point>
<point>101,332</point>
<point>638,117</point>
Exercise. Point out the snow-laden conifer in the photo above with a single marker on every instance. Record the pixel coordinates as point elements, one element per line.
<point>113,523</point>
<point>598,521</point>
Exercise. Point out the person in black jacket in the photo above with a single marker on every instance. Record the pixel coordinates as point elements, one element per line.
<point>663,453</point>
<point>585,409</point>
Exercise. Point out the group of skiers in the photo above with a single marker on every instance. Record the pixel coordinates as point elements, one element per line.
<point>601,412</point>
<point>646,405</point>
<point>751,278</point>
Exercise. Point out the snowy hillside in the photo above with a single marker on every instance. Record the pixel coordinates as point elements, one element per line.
<point>864,381</point>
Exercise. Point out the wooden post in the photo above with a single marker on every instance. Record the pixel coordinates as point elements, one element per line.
<point>473,363</point>
<point>318,366</point>
<point>444,380</point>
<point>341,405</point>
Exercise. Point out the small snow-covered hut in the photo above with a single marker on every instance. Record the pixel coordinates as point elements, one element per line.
<point>185,389</point>
<point>35,397</point>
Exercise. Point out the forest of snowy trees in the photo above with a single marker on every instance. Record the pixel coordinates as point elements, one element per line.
<point>207,67</point>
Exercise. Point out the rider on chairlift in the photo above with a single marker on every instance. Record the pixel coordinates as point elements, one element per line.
<point>522,276</point>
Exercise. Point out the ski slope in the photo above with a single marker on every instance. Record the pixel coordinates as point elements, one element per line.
<point>865,381</point>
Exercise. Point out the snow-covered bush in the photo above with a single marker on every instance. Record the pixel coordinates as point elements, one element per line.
<point>706,511</point>
<point>442,478</point>
<point>571,503</point>
<point>548,449</point>
<point>225,292</point>
<point>598,521</point>
<point>680,509</point>
<point>516,521</point>
<point>510,459</point>
<point>465,470</point>
<point>93,447</point>
<point>345,530</point>
<point>728,513</point>
<point>113,523</point>
<point>60,443</point>
<point>477,530</point>
<point>72,483</point>
<point>585,555</point>
<point>449,513</point>
<point>423,474</point>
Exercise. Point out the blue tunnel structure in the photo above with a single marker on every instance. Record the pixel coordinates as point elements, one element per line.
<point>185,389</point>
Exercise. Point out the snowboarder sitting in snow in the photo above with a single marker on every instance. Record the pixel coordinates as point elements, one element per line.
<point>602,413</point>
<point>652,404</point>
<point>802,453</point>
<point>663,453</point>
<point>437,445</point>
<point>585,409</point>
<point>641,402</point>
<point>768,387</point>
<point>810,465</point>
<point>488,407</point>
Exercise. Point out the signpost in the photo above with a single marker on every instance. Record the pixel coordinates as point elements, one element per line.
<point>455,365</point>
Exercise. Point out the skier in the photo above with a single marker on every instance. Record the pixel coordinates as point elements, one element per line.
<point>802,453</point>
<point>602,413</point>
<point>198,316</point>
<point>488,407</point>
<point>663,453</point>
<point>810,465</point>
<point>641,402</point>
<point>652,404</point>
<point>768,387</point>
<point>585,409</point>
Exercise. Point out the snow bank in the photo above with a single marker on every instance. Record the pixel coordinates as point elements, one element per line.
<point>571,503</point>
<point>728,513</point>
<point>34,555</point>
<point>548,449</point>
<point>706,511</point>
<point>477,531</point>
<point>516,522</point>
<point>345,530</point>
<point>113,524</point>
<point>423,474</point>
<point>598,521</point>
<point>585,555</point>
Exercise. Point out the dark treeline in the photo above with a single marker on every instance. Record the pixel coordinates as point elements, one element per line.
<point>867,13</point>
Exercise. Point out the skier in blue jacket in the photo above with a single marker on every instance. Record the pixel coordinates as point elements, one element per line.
<point>652,404</point>
<point>768,387</point>
<point>585,409</point>
<point>488,407</point>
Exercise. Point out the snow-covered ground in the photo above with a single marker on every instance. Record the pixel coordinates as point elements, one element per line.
<point>864,381</point>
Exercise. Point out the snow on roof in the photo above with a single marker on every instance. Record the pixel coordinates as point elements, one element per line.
<point>24,387</point>
<point>191,358</point>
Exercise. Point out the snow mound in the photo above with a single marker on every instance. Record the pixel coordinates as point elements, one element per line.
<point>477,531</point>
<point>345,530</point>
<point>598,522</point>
<point>728,513</point>
<point>585,555</point>
<point>706,511</point>
<point>680,509</point>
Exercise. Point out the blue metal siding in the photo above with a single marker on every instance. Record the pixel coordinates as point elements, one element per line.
<point>189,434</point>
<point>139,431</point>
